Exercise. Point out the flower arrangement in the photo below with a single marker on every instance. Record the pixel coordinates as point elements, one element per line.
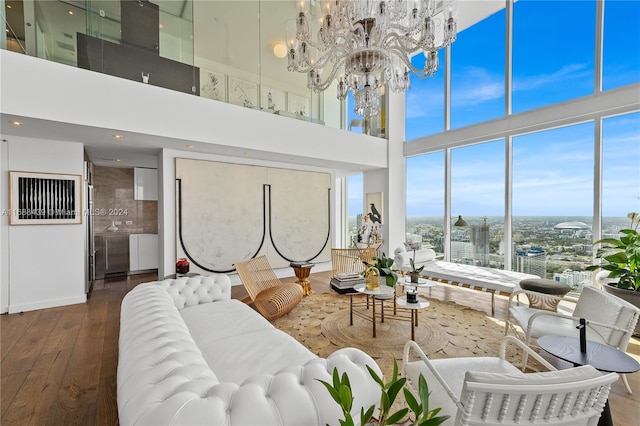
<point>415,272</point>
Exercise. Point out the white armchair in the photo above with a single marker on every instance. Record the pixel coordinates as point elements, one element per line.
<point>490,390</point>
<point>610,320</point>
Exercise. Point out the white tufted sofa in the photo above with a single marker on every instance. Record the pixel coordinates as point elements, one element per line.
<point>189,354</point>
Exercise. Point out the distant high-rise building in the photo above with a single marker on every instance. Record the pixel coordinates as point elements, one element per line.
<point>480,243</point>
<point>460,250</point>
<point>576,279</point>
<point>532,261</point>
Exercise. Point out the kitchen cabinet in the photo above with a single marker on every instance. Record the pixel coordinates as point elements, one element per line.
<point>143,252</point>
<point>145,182</point>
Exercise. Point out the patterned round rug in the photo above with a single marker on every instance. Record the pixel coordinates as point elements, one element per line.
<point>321,323</point>
<point>391,335</point>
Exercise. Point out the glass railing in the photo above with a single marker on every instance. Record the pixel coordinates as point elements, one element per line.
<point>220,50</point>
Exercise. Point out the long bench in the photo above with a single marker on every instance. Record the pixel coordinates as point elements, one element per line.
<point>487,280</point>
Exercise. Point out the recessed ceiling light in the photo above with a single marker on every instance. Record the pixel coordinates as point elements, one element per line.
<point>16,123</point>
<point>245,153</point>
<point>188,146</point>
<point>161,26</point>
<point>9,6</point>
<point>70,12</point>
<point>118,160</point>
<point>118,137</point>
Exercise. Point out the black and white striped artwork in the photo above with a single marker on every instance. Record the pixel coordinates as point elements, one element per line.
<point>43,198</point>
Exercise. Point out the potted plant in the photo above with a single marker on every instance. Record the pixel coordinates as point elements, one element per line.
<point>622,257</point>
<point>383,265</point>
<point>340,391</point>
<point>415,272</point>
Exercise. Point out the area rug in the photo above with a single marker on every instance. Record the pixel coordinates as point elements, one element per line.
<point>445,329</point>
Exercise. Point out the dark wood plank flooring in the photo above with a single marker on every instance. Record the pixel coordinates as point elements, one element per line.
<point>59,365</point>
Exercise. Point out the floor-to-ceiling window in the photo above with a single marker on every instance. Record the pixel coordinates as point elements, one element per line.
<point>621,62</point>
<point>477,194</point>
<point>425,200</point>
<point>620,172</point>
<point>549,142</point>
<point>552,200</point>
<point>425,101</point>
<point>355,203</point>
<point>477,79</point>
<point>553,52</point>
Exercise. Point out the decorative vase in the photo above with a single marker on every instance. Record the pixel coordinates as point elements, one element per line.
<point>182,266</point>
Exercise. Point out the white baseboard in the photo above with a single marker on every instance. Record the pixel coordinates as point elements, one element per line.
<point>14,309</point>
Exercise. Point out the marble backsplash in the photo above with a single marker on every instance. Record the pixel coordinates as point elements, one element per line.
<point>113,201</point>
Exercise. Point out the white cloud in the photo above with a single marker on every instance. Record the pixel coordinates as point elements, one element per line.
<point>475,85</point>
<point>563,74</point>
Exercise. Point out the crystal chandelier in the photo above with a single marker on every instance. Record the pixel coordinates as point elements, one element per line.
<point>367,43</point>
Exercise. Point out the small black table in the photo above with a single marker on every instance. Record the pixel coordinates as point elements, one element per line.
<point>602,357</point>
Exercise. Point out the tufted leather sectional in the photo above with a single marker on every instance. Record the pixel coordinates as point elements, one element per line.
<point>189,354</point>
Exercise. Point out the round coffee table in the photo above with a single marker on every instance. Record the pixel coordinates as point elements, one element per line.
<point>421,282</point>
<point>384,291</point>
<point>414,308</point>
<point>602,357</point>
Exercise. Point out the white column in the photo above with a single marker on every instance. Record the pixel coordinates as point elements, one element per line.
<point>391,181</point>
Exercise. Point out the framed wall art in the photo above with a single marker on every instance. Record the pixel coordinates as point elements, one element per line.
<point>243,93</point>
<point>213,85</point>
<point>44,198</point>
<point>272,99</point>
<point>374,207</point>
<point>298,105</point>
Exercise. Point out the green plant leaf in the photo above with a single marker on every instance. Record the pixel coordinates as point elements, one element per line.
<point>395,388</point>
<point>412,402</point>
<point>375,376</point>
<point>385,404</point>
<point>346,398</point>
<point>397,416</point>
<point>365,417</point>
<point>423,391</point>
<point>332,391</point>
<point>336,378</point>
<point>345,380</point>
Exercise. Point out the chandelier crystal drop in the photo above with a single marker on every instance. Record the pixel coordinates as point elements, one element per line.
<point>365,44</point>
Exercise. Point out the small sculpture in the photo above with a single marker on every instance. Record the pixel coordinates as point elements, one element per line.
<point>372,277</point>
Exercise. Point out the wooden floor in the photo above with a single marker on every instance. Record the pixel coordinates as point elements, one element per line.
<point>59,365</point>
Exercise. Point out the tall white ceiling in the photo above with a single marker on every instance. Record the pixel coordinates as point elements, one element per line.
<point>237,34</point>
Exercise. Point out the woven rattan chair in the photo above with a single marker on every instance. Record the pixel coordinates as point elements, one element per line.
<point>349,260</point>
<point>271,297</point>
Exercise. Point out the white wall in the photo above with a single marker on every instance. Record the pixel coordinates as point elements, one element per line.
<point>45,262</point>
<point>77,96</point>
<point>4,235</point>
<point>167,206</point>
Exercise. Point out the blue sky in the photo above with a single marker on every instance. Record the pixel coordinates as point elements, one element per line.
<point>553,62</point>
